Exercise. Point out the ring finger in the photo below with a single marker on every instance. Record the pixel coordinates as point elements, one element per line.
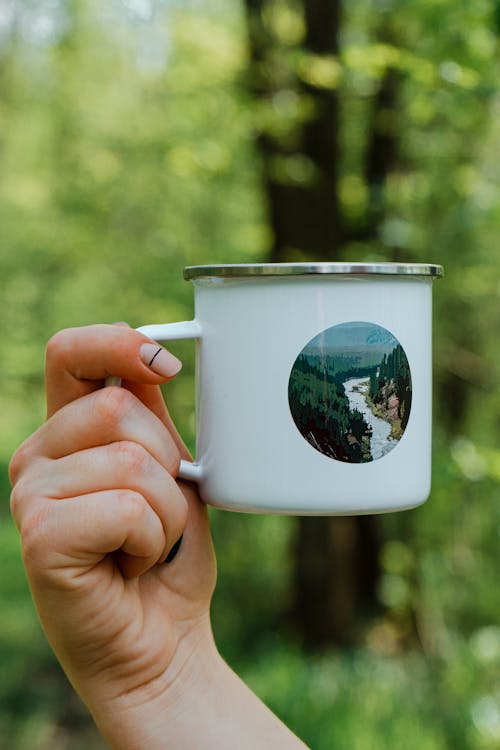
<point>125,466</point>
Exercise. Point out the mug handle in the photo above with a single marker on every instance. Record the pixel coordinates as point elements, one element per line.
<point>188,329</point>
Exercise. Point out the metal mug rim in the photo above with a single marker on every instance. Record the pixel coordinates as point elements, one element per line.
<point>255,270</point>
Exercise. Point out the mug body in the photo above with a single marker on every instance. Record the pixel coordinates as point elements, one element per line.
<point>314,389</point>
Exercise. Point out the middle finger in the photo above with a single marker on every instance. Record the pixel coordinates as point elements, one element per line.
<point>103,417</point>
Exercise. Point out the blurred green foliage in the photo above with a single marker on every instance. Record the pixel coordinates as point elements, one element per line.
<point>127,152</point>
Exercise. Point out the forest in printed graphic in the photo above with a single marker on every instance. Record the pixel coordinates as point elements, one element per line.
<point>320,406</point>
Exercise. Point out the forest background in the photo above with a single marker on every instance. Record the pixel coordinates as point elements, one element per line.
<point>139,136</point>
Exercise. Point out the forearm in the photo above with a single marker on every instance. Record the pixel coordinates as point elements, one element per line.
<point>243,721</point>
<point>205,707</point>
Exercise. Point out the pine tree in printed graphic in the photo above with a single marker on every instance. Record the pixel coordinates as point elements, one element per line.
<point>390,391</point>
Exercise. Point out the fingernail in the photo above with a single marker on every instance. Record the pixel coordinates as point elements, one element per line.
<point>121,323</point>
<point>174,550</point>
<point>159,360</point>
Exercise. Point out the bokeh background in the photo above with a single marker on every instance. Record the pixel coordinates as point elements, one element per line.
<point>139,136</point>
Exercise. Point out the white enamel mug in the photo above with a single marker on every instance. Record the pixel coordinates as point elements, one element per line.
<point>313,386</point>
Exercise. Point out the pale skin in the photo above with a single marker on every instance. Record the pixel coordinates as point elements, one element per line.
<point>98,507</point>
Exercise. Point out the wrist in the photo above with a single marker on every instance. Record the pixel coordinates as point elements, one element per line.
<point>201,704</point>
<point>154,715</point>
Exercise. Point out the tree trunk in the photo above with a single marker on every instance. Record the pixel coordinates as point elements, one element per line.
<point>336,574</point>
<point>304,213</point>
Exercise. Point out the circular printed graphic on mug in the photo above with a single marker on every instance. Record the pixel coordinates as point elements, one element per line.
<point>350,392</point>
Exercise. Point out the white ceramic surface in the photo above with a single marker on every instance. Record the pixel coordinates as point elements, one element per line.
<point>250,454</point>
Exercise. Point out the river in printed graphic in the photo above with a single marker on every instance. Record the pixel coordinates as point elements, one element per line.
<point>356,390</point>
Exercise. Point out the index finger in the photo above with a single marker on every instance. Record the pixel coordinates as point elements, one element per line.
<point>78,360</point>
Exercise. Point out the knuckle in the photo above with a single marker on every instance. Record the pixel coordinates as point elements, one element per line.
<point>112,404</point>
<point>33,535</point>
<point>16,502</point>
<point>58,346</point>
<point>15,466</point>
<point>177,515</point>
<point>25,487</point>
<point>19,461</point>
<point>174,462</point>
<point>131,456</point>
<point>182,511</point>
<point>132,505</point>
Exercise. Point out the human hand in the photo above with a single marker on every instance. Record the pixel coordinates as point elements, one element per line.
<point>98,508</point>
<point>99,512</point>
